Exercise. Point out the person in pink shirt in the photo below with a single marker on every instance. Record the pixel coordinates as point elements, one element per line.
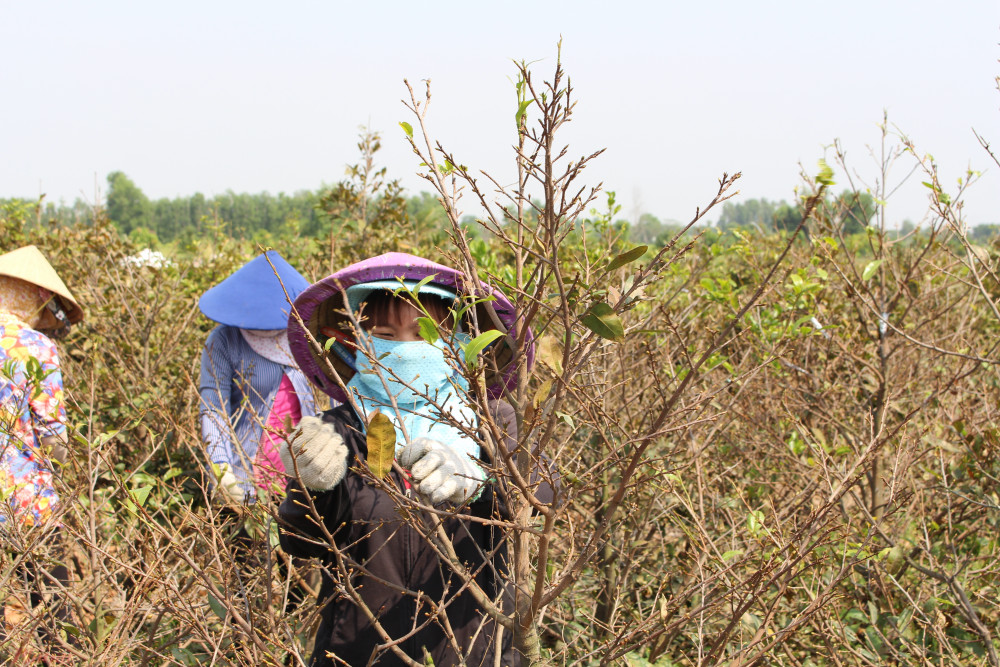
<point>252,395</point>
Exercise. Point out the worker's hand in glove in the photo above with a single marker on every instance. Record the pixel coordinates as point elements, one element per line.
<point>440,473</point>
<point>228,489</point>
<point>319,454</point>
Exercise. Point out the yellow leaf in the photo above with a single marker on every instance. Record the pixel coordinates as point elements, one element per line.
<point>543,393</point>
<point>381,445</point>
<point>550,353</point>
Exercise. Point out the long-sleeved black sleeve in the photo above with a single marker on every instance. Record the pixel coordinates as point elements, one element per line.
<point>300,532</point>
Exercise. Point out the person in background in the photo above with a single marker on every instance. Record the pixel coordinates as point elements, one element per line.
<point>251,389</point>
<point>34,302</point>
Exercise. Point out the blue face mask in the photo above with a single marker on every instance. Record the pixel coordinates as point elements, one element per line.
<point>416,371</point>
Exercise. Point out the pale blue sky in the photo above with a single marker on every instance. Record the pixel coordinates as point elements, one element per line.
<point>251,96</point>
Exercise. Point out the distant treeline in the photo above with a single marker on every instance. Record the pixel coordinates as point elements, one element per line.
<point>855,211</point>
<point>263,216</point>
<point>166,220</point>
<point>239,215</point>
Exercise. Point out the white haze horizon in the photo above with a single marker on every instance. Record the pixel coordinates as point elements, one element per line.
<point>246,97</point>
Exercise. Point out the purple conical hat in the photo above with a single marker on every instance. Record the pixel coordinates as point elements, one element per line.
<point>322,305</point>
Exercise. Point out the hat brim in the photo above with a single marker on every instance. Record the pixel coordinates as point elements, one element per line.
<point>356,294</point>
<point>323,306</point>
<point>30,265</point>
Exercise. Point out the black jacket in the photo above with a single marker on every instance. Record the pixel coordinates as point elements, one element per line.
<point>366,525</point>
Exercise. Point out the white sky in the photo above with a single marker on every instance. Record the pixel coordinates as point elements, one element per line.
<point>251,96</point>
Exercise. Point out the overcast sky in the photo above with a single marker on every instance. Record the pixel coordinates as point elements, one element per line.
<point>205,97</point>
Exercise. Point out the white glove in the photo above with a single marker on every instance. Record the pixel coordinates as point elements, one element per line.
<point>440,472</point>
<point>228,487</point>
<point>318,451</point>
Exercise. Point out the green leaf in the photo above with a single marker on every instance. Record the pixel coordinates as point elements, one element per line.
<point>423,281</point>
<point>381,437</point>
<point>218,608</point>
<point>478,344</point>
<point>603,321</point>
<point>102,624</point>
<point>627,257</point>
<point>170,474</point>
<point>522,109</point>
<point>415,290</point>
<point>428,329</point>
<point>407,128</point>
<point>140,494</point>
<point>904,618</point>
<point>103,438</point>
<point>871,269</point>
<point>873,612</point>
<point>69,629</point>
<point>855,616</point>
<point>273,537</point>
<point>751,621</point>
<point>825,175</point>
<point>755,522</point>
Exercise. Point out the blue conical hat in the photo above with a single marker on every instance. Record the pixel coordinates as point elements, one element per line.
<point>253,297</point>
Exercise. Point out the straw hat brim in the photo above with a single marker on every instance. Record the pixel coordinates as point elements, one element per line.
<point>29,264</point>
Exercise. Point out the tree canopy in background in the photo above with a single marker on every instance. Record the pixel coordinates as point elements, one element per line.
<point>857,209</point>
<point>127,206</point>
<point>367,200</point>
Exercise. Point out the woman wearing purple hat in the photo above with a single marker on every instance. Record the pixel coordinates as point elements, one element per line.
<point>250,387</point>
<point>365,347</point>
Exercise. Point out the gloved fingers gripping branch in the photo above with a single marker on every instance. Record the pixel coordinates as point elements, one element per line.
<point>440,486</point>
<point>413,451</point>
<point>228,489</point>
<point>432,460</point>
<point>441,473</point>
<point>318,452</point>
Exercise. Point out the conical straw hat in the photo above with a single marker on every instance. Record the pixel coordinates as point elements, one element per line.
<point>29,264</point>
